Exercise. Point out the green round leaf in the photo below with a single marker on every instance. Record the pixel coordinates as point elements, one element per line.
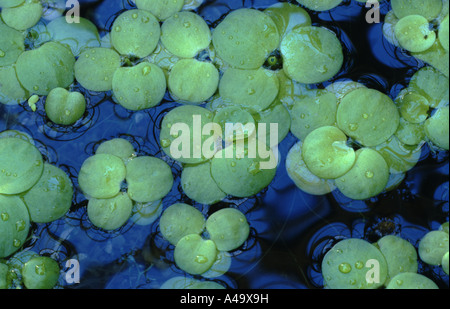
<point>429,9</point>
<point>135,33</point>
<point>251,89</point>
<point>149,179</point>
<point>51,197</point>
<point>11,45</point>
<point>400,254</point>
<point>180,220</point>
<point>195,255</point>
<point>240,169</point>
<point>41,273</point>
<point>181,134</point>
<point>95,68</point>
<point>410,281</point>
<point>436,128</point>
<point>368,116</point>
<point>185,34</point>
<point>228,228</point>
<point>110,214</point>
<point>64,107</point>
<point>320,5</point>
<point>326,153</point>
<point>14,224</point>
<point>367,178</point>
<point>433,246</point>
<point>245,38</point>
<point>45,68</point>
<point>23,16</point>
<point>299,173</point>
<point>199,185</point>
<point>311,54</point>
<point>161,9</point>
<point>140,87</point>
<point>78,36</point>
<point>12,92</point>
<point>310,113</point>
<point>413,33</point>
<point>193,81</point>
<point>118,147</point>
<point>101,176</point>
<point>348,264</point>
<point>20,171</point>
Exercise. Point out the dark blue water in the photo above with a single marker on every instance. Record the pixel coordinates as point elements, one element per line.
<point>290,230</point>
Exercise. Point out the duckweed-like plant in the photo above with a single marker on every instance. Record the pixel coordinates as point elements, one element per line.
<point>183,226</point>
<point>101,178</point>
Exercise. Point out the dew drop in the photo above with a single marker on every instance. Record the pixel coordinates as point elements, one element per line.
<point>146,70</point>
<point>369,174</point>
<point>345,268</point>
<point>40,269</point>
<point>4,216</point>
<point>117,29</point>
<point>201,259</point>
<point>359,265</point>
<point>17,243</point>
<point>254,169</point>
<point>2,53</point>
<point>20,225</point>
<point>165,143</point>
<point>353,127</point>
